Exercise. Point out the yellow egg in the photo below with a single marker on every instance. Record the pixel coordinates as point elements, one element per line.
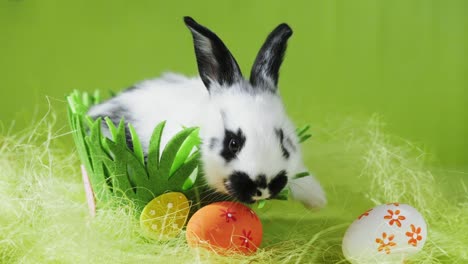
<point>165,216</point>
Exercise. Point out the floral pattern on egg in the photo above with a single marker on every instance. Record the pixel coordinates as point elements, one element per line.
<point>394,217</point>
<point>225,227</point>
<point>390,232</point>
<point>385,243</point>
<point>414,235</point>
<point>165,216</point>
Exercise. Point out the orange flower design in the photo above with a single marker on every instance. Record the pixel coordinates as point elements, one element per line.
<point>366,213</point>
<point>385,243</point>
<point>414,235</point>
<point>395,204</point>
<point>394,217</point>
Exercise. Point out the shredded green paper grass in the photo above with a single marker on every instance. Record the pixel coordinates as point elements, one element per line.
<point>44,216</point>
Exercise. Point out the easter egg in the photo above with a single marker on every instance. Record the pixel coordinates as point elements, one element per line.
<point>165,216</point>
<point>387,233</point>
<point>225,227</point>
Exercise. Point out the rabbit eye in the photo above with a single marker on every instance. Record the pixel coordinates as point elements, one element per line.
<point>234,145</point>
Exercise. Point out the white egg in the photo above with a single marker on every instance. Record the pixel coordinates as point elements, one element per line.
<point>385,234</point>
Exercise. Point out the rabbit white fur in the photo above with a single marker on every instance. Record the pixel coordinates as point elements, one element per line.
<point>249,145</point>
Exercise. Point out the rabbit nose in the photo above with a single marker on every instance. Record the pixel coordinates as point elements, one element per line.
<point>243,188</point>
<point>262,191</point>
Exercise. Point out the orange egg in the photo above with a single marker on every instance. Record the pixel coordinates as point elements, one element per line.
<point>225,227</point>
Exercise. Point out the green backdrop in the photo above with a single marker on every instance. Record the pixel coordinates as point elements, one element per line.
<point>404,59</point>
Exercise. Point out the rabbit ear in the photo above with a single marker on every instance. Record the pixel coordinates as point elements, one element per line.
<point>265,70</point>
<point>215,62</point>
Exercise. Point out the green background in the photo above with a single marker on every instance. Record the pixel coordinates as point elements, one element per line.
<point>406,60</point>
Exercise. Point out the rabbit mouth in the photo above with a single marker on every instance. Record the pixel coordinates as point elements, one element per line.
<point>240,194</point>
<point>242,188</point>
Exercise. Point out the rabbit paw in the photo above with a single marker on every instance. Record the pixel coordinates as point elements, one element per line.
<point>308,191</point>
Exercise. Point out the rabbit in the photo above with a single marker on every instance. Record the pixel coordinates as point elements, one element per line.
<point>249,150</point>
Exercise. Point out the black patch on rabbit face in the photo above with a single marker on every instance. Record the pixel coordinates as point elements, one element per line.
<point>241,187</point>
<point>232,144</point>
<point>277,183</point>
<point>280,135</point>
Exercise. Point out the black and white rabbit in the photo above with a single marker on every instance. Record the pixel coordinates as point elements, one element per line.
<point>250,150</point>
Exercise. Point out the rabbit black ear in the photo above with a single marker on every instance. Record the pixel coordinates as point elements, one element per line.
<point>265,70</point>
<point>215,62</point>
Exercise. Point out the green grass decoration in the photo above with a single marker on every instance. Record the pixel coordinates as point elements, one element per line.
<point>302,133</point>
<point>117,171</point>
